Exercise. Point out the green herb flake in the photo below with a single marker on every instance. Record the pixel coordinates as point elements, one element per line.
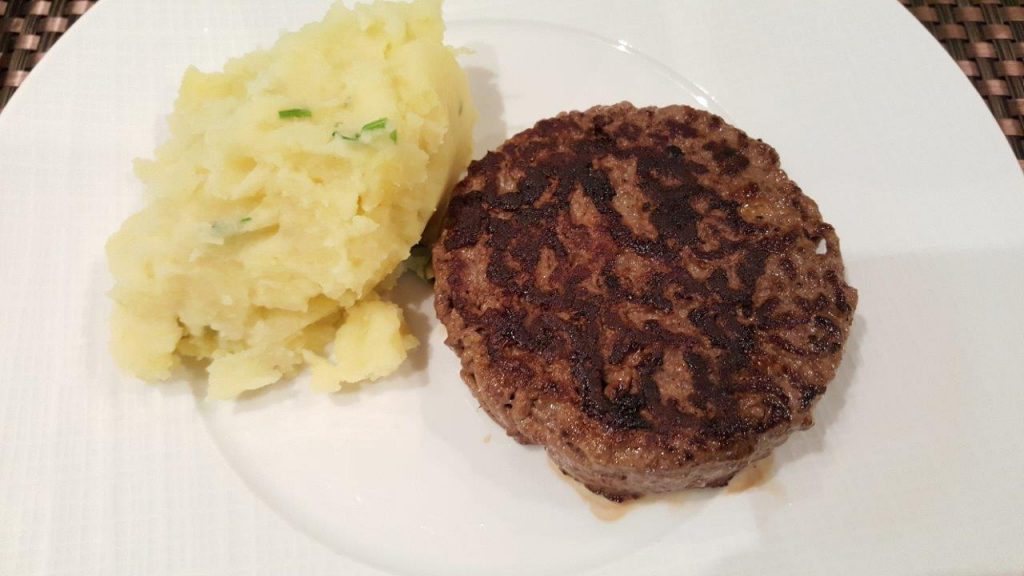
<point>375,125</point>
<point>339,134</point>
<point>245,220</point>
<point>378,124</point>
<point>294,113</point>
<point>419,263</point>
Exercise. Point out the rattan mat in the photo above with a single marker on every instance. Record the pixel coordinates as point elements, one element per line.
<point>985,37</point>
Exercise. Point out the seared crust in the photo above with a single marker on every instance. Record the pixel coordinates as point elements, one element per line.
<point>639,290</point>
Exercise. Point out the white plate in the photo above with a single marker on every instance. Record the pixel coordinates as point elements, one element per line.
<point>914,466</point>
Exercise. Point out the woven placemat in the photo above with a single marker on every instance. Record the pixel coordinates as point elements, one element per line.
<point>985,37</point>
<point>28,28</point>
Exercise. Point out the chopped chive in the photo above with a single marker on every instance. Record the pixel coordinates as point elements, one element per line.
<point>376,124</point>
<point>419,262</point>
<point>339,134</point>
<point>294,113</point>
<point>460,107</point>
<point>245,220</point>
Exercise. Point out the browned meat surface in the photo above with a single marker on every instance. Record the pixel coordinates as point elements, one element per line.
<point>641,291</point>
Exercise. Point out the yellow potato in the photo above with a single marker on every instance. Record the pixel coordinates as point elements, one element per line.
<point>293,183</point>
<point>369,345</point>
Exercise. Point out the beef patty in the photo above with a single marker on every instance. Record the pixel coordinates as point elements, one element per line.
<point>645,293</point>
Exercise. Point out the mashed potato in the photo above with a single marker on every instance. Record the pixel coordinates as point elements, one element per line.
<point>293,184</point>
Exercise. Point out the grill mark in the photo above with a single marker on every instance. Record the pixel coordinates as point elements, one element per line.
<point>730,160</point>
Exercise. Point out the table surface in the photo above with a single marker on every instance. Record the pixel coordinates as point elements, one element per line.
<point>984,37</point>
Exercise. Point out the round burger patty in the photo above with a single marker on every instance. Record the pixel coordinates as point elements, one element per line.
<point>644,292</point>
